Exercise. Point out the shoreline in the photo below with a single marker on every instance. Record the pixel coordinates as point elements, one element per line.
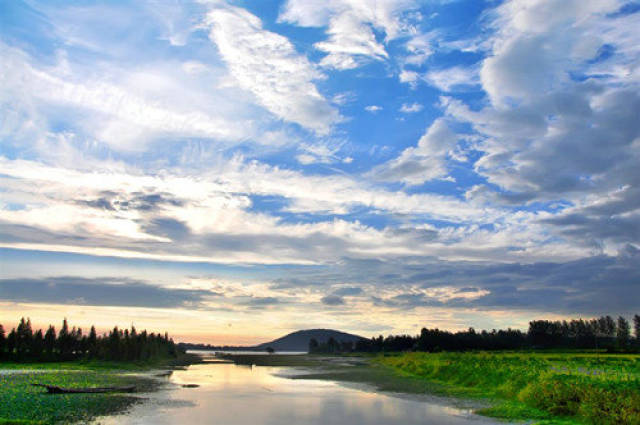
<point>457,379</point>
<point>359,373</point>
<point>23,404</point>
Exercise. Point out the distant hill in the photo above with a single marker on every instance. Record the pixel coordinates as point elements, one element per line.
<point>299,341</point>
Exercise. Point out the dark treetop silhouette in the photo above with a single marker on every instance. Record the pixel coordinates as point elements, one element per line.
<point>23,344</point>
<point>601,333</point>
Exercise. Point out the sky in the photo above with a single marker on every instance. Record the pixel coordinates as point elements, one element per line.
<point>230,171</point>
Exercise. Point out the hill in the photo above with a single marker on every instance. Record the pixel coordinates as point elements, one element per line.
<point>299,341</point>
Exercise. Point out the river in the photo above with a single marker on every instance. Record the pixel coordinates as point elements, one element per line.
<point>229,394</point>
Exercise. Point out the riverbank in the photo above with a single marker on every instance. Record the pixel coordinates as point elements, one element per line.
<point>235,394</point>
<point>547,388</point>
<point>589,388</point>
<point>22,403</point>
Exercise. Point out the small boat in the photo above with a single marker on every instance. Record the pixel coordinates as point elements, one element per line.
<point>53,389</point>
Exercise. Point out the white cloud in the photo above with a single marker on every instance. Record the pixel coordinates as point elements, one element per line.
<point>407,108</point>
<point>124,114</point>
<point>427,161</point>
<point>207,217</point>
<point>561,122</point>
<point>349,40</point>
<point>306,159</point>
<point>409,77</point>
<point>343,98</point>
<point>385,15</point>
<point>267,65</point>
<point>373,108</point>
<point>419,48</point>
<point>350,25</point>
<point>446,80</point>
<point>539,43</point>
<point>321,152</point>
<point>451,78</point>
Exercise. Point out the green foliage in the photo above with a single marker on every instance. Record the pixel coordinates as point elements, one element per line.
<point>624,332</point>
<point>22,403</point>
<point>331,346</point>
<point>514,411</point>
<point>23,345</point>
<point>19,422</point>
<point>586,387</point>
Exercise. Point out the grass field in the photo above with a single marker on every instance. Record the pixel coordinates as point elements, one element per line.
<point>587,388</point>
<point>22,403</point>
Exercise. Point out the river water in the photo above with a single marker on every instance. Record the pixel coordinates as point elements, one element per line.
<point>230,394</point>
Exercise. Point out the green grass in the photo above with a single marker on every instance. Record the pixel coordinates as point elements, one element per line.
<point>556,388</point>
<point>19,422</point>
<point>77,365</point>
<point>21,403</point>
<point>183,359</point>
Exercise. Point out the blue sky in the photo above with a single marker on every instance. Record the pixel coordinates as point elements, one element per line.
<point>318,164</point>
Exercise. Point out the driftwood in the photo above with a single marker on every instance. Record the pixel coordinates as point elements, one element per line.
<point>53,389</point>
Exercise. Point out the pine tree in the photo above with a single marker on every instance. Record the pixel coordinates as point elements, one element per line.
<point>3,341</point>
<point>114,344</point>
<point>611,326</point>
<point>22,343</point>
<point>64,341</point>
<point>623,331</point>
<point>76,341</point>
<point>50,342</point>
<point>135,341</point>
<point>313,345</point>
<point>12,339</point>
<point>24,336</point>
<point>37,345</point>
<point>92,343</point>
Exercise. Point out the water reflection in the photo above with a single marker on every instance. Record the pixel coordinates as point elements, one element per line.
<point>242,395</point>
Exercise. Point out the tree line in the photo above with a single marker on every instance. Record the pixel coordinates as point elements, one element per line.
<point>601,333</point>
<point>25,344</point>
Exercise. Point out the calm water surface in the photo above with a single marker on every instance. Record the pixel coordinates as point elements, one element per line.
<point>241,395</point>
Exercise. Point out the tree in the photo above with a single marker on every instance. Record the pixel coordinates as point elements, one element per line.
<point>114,344</point>
<point>332,345</point>
<point>3,341</point>
<point>22,344</point>
<point>92,343</point>
<point>610,326</point>
<point>313,345</point>
<point>12,339</point>
<point>636,326</point>
<point>623,332</point>
<point>64,346</point>
<point>37,345</point>
<point>50,341</point>
<point>24,335</point>
<point>76,342</point>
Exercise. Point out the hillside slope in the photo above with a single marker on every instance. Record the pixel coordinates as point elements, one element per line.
<point>299,341</point>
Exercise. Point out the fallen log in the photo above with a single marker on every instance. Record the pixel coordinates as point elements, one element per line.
<point>54,389</point>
